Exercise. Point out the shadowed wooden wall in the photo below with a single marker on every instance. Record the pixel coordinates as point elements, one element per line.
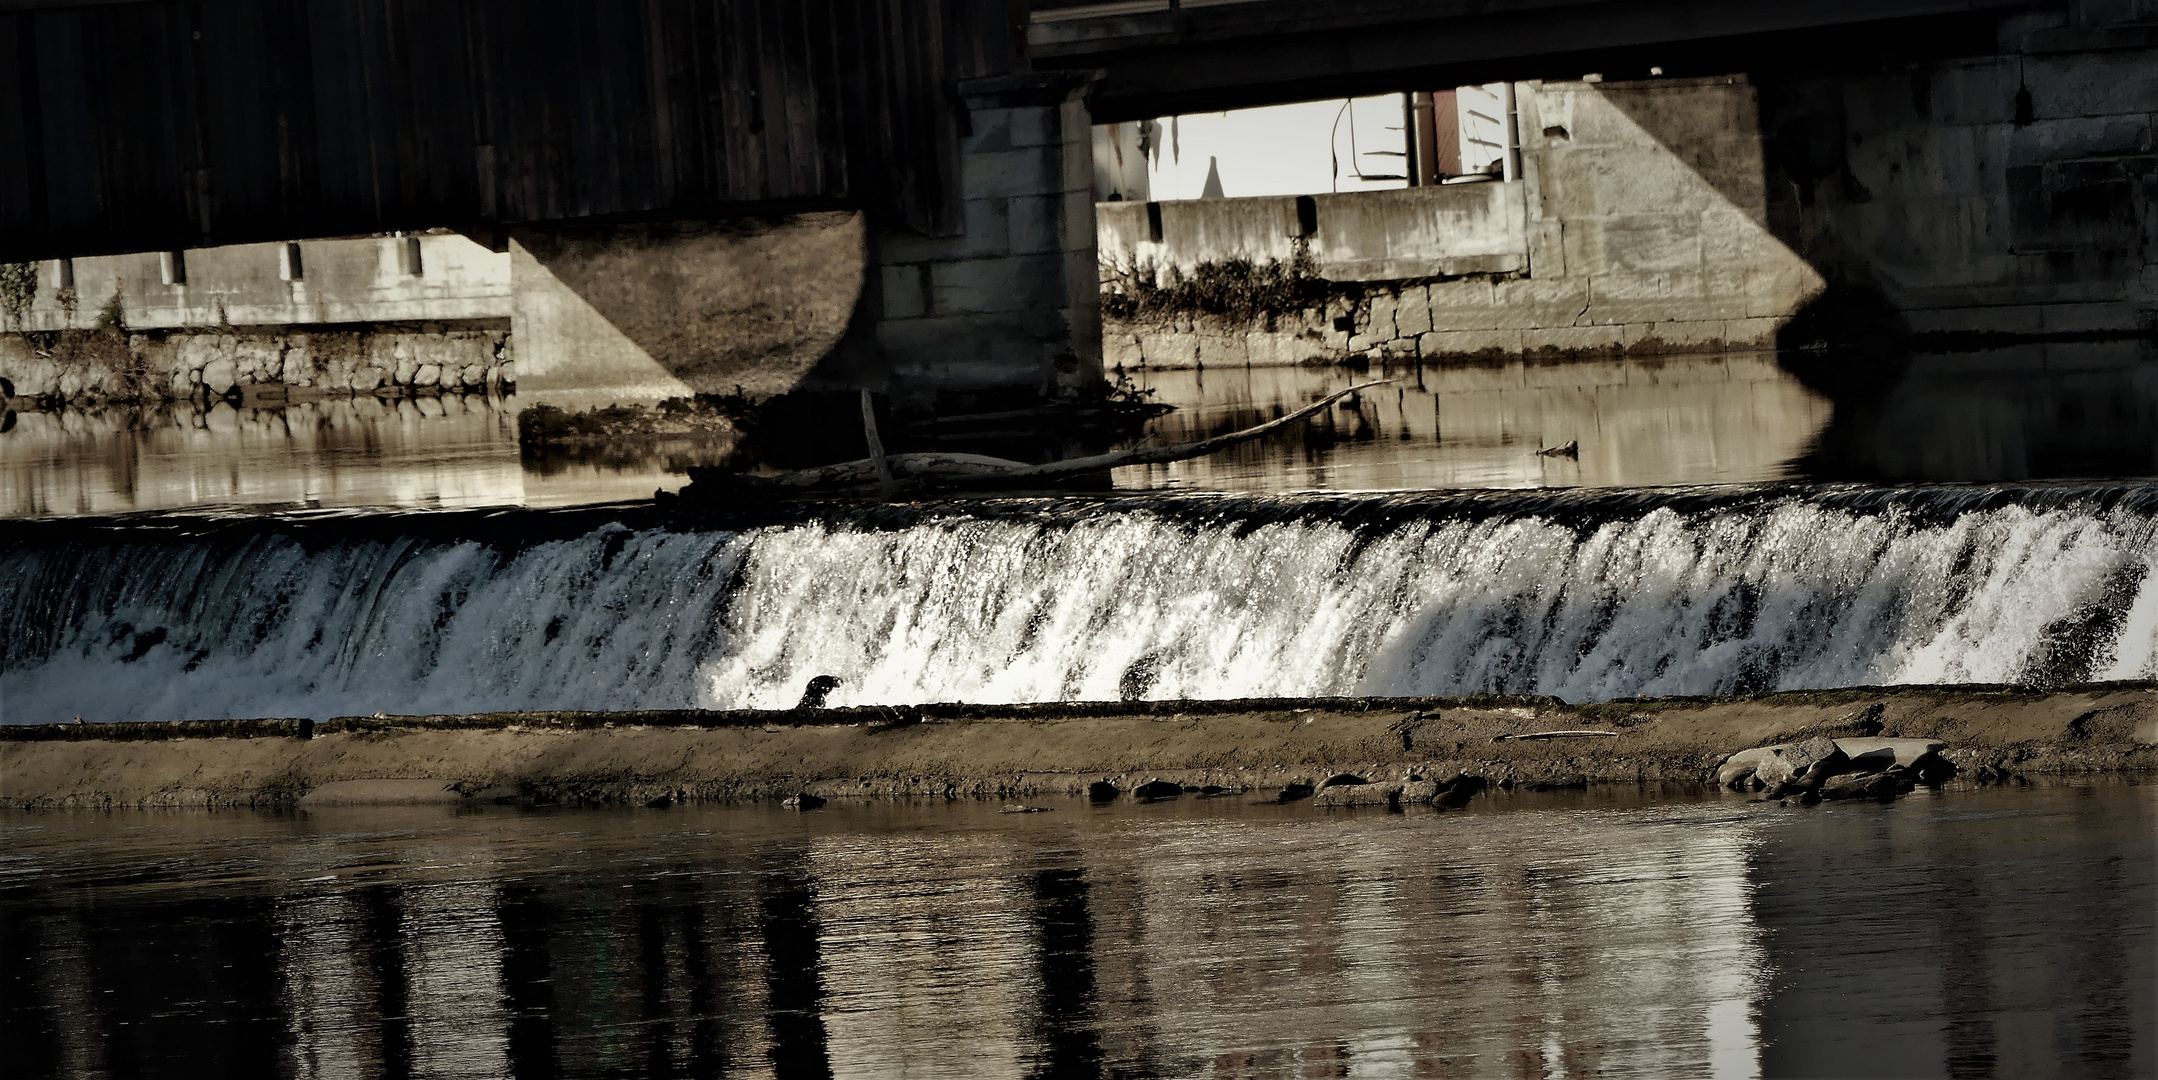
<point>168,124</point>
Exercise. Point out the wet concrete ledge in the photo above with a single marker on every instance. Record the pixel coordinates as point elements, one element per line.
<point>1019,751</point>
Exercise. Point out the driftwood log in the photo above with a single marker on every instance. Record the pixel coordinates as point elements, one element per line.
<point>980,470</point>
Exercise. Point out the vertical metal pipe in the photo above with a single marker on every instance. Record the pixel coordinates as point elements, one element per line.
<point>1411,157</point>
<point>1513,134</point>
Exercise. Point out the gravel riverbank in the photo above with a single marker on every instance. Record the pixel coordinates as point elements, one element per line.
<point>1253,749</point>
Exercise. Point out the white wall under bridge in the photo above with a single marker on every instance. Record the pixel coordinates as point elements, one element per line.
<point>1405,233</point>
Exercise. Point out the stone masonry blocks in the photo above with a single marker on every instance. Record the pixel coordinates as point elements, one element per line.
<point>987,234</point>
<point>1678,336</point>
<point>1526,303</point>
<point>1036,224</point>
<point>1379,325</point>
<point>1223,350</point>
<point>991,130</point>
<point>1032,126</point>
<point>1170,349</point>
<point>2092,83</point>
<point>904,294</point>
<point>1762,332</point>
<point>1012,172</point>
<point>1283,349</point>
<point>1656,297</point>
<point>1013,283</point>
<point>1636,242</point>
<point>1574,339</point>
<point>1469,304</point>
<point>1119,351</point>
<point>1980,91</point>
<point>1028,338</point>
<point>1014,296</point>
<point>1412,311</point>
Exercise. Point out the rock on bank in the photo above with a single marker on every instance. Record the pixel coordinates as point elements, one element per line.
<point>1014,751</point>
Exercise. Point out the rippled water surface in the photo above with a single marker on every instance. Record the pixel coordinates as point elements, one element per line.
<point>1980,933</point>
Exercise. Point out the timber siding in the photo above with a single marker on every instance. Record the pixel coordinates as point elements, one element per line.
<point>168,125</point>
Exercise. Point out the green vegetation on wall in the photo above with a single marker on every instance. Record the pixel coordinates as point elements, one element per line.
<point>1233,287</point>
<point>18,286</point>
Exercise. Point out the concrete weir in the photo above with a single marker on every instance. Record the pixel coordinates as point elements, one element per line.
<point>1254,748</point>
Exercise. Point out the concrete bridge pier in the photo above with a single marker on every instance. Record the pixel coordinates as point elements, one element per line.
<point>838,300</point>
<point>638,312</point>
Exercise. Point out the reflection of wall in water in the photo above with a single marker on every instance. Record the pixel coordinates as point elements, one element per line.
<point>1683,420</point>
<point>925,971</point>
<point>455,450</point>
<point>1544,935</point>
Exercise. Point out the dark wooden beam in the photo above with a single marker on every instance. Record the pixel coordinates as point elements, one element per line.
<point>1232,55</point>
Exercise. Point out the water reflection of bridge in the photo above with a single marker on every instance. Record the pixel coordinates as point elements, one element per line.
<point>1166,941</point>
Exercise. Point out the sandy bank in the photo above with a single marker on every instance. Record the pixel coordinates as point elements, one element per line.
<point>1020,751</point>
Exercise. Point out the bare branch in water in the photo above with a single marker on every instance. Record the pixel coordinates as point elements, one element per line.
<point>982,470</point>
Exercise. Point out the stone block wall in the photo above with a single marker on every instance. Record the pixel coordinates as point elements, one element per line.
<point>1012,301</point>
<point>2014,194</point>
<point>210,365</point>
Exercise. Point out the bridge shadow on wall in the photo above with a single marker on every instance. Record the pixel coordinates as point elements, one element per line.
<point>1657,196</point>
<point>2032,411</point>
<point>670,309</point>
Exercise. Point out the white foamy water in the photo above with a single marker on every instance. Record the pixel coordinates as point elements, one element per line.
<point>1023,602</point>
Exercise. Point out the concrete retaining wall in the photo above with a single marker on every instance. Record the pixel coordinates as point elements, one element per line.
<point>364,280</point>
<point>1633,239</point>
<point>1356,236</point>
<point>258,365</point>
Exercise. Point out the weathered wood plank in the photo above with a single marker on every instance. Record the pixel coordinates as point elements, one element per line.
<point>126,131</point>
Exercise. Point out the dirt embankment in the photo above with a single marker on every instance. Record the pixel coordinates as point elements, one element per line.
<point>1022,751</point>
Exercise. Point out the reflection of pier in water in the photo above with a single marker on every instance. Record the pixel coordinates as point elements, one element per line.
<point>1172,941</point>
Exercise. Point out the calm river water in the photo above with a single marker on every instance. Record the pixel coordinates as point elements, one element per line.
<point>1989,933</point>
<point>2052,411</point>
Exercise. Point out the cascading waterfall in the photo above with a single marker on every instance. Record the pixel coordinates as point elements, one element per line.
<point>1580,597</point>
